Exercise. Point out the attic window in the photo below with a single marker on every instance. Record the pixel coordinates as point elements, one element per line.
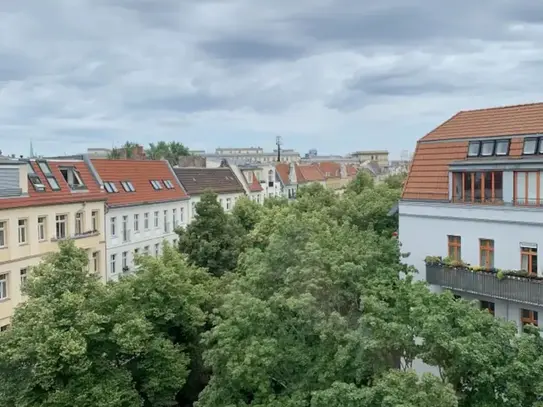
<point>110,187</point>
<point>168,184</point>
<point>127,186</point>
<point>474,148</point>
<point>72,177</point>
<point>156,185</point>
<point>53,183</point>
<point>35,179</point>
<point>487,149</point>
<point>502,147</point>
<point>530,146</point>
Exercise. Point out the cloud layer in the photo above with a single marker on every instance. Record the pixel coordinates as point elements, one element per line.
<point>338,75</point>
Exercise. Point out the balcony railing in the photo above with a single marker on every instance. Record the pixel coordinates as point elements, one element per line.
<point>444,197</point>
<point>82,235</point>
<point>524,290</point>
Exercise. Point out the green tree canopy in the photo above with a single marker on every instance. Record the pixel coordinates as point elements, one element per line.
<point>170,151</point>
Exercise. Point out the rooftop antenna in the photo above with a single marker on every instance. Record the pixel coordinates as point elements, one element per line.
<point>278,142</point>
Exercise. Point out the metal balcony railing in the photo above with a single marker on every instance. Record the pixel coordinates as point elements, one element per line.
<point>523,290</point>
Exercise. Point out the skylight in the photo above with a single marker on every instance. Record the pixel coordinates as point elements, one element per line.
<point>168,184</point>
<point>156,185</point>
<point>530,146</point>
<point>502,147</point>
<point>488,148</point>
<point>474,148</point>
<point>128,186</point>
<point>34,179</point>
<point>110,187</point>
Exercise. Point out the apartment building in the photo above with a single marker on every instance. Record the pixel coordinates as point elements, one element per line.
<point>471,213</point>
<point>42,203</point>
<point>222,181</point>
<point>246,155</point>
<point>249,176</point>
<point>287,175</point>
<point>145,205</point>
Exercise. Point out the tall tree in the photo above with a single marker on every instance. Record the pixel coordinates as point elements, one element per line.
<point>167,151</point>
<point>362,181</point>
<point>213,240</point>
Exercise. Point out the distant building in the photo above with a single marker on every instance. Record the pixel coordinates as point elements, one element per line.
<point>247,155</point>
<point>379,156</point>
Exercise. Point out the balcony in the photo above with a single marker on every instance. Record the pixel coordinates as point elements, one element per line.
<point>508,285</point>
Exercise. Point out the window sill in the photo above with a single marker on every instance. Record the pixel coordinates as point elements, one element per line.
<point>4,299</point>
<point>76,237</point>
<point>42,240</point>
<point>23,244</point>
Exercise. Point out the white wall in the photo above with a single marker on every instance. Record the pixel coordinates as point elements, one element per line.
<point>194,199</point>
<point>144,237</point>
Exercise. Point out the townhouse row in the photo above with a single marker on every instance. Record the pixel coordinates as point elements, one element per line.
<point>114,209</point>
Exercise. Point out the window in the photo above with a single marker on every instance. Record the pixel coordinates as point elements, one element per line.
<point>44,167</point>
<point>166,224</point>
<point>474,148</point>
<point>249,177</point>
<point>489,306</point>
<point>113,263</point>
<point>23,223</point>
<point>125,260</point>
<point>42,231</point>
<point>455,246</point>
<point>79,223</point>
<point>72,177</point>
<point>228,203</point>
<point>530,146</point>
<point>168,184</point>
<point>486,253</point>
<point>126,232</point>
<point>157,249</point>
<point>270,178</point>
<point>156,185</point>
<point>477,187</point>
<point>128,186</point>
<point>23,273</point>
<point>4,328</point>
<point>528,317</point>
<point>146,221</point>
<point>110,187</point>
<point>136,223</point>
<point>96,262</point>
<point>4,286</point>
<point>181,215</point>
<point>53,183</point>
<point>528,259</point>
<point>146,250</point>
<point>34,178</point>
<point>156,219</point>
<point>94,221</point>
<point>136,252</point>
<point>502,147</point>
<point>61,226</point>
<point>487,148</point>
<point>527,188</point>
<point>113,226</point>
<point>174,217</point>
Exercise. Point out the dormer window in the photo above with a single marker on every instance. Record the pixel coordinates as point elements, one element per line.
<point>34,179</point>
<point>487,148</point>
<point>53,183</point>
<point>110,187</point>
<point>156,185</point>
<point>530,146</point>
<point>128,186</point>
<point>72,178</point>
<point>474,148</point>
<point>502,147</point>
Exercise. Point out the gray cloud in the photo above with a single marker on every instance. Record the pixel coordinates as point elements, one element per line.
<point>85,73</point>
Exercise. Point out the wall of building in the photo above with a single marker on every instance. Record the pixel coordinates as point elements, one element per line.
<point>15,257</point>
<point>152,236</point>
<point>223,199</point>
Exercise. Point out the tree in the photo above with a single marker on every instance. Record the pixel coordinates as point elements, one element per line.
<point>247,213</point>
<point>167,151</point>
<point>362,181</point>
<point>78,342</point>
<point>395,181</point>
<point>213,240</point>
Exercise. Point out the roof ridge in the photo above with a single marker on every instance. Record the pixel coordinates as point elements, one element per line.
<point>501,107</point>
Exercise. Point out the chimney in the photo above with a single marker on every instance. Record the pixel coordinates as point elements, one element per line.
<point>292,173</point>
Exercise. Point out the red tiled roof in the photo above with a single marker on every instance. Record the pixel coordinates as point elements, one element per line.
<point>139,173</point>
<point>351,169</point>
<point>283,171</point>
<point>63,196</point>
<point>308,173</point>
<point>330,169</point>
<point>255,185</point>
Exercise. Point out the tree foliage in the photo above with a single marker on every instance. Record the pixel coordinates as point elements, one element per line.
<point>167,151</point>
<point>302,304</point>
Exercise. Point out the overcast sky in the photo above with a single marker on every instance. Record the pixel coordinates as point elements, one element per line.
<point>336,75</point>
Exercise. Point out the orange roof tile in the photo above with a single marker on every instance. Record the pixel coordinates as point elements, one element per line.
<point>63,196</point>
<point>140,173</point>
<point>255,185</point>
<point>283,171</point>
<point>492,122</point>
<point>308,173</point>
<point>330,169</point>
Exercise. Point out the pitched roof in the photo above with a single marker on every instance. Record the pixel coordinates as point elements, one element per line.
<point>428,177</point>
<point>283,170</point>
<point>308,173</point>
<point>492,122</point>
<point>65,194</point>
<point>139,173</point>
<point>330,169</point>
<point>351,170</point>
<point>220,180</point>
<point>254,186</point>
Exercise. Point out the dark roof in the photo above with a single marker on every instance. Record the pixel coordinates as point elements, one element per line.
<point>219,180</point>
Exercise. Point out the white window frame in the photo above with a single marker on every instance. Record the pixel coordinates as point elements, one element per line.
<point>157,249</point>
<point>96,261</point>
<point>112,263</point>
<point>174,217</point>
<point>79,219</point>
<point>22,231</point>
<point>61,219</point>
<point>4,286</point>
<point>146,221</point>
<point>181,215</point>
<point>3,234</point>
<point>157,219</point>
<point>23,273</point>
<point>113,226</point>
<point>136,223</point>
<point>42,228</point>
<point>94,221</point>
<point>228,204</point>
<point>124,260</point>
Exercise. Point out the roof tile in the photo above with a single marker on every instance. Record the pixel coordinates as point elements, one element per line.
<point>308,173</point>
<point>219,180</point>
